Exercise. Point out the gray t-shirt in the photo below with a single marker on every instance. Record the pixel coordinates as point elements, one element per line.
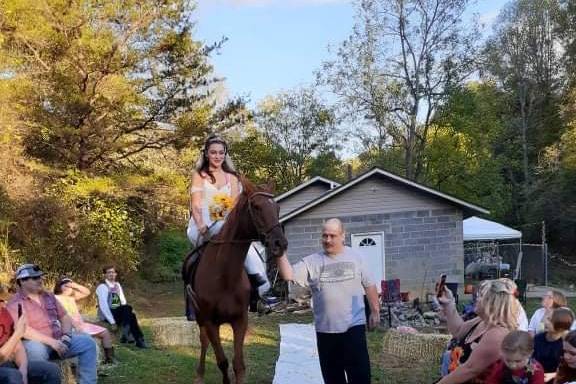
<point>337,284</point>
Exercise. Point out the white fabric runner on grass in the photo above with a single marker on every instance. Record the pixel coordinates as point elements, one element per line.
<point>298,361</point>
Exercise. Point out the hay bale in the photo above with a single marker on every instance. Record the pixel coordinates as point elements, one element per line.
<point>173,331</point>
<point>422,347</point>
<point>67,371</point>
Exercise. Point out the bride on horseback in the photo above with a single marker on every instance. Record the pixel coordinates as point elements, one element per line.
<point>215,188</point>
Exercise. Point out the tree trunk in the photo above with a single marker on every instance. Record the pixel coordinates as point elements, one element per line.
<point>524,131</point>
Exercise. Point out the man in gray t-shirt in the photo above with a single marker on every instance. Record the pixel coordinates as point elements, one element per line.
<point>338,278</point>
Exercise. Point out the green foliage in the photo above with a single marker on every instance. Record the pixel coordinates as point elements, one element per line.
<point>389,158</point>
<point>395,70</point>
<point>95,84</point>
<point>163,261</point>
<point>328,165</point>
<point>557,183</point>
<point>296,127</point>
<point>262,160</point>
<point>73,235</point>
<point>254,158</point>
<point>462,157</point>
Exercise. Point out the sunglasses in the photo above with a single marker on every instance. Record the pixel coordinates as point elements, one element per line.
<point>31,278</point>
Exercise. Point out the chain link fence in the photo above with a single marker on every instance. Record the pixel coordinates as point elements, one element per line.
<point>489,260</point>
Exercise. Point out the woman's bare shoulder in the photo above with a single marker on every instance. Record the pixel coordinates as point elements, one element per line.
<point>198,175</point>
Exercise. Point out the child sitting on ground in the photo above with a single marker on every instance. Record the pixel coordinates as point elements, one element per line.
<point>548,344</point>
<point>566,372</point>
<point>515,365</point>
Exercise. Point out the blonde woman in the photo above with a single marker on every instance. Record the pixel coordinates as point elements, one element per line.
<point>479,339</point>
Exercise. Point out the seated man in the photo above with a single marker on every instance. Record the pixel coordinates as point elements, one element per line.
<point>14,365</point>
<point>48,334</point>
<point>113,308</point>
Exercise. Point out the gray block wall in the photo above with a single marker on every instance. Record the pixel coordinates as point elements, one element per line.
<point>418,245</point>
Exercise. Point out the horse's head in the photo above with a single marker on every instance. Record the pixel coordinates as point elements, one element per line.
<point>264,214</point>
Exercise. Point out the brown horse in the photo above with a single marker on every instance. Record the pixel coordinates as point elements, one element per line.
<point>219,291</point>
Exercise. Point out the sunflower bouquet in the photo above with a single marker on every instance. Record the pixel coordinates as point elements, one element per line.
<point>221,205</point>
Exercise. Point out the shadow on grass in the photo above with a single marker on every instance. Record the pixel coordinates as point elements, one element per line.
<point>178,364</point>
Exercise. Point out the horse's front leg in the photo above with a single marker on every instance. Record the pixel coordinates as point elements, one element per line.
<point>213,332</point>
<point>239,328</point>
<point>202,362</point>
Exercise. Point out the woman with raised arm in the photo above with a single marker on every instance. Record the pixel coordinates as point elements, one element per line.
<point>68,293</point>
<point>479,339</point>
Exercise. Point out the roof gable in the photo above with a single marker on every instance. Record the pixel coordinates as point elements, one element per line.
<point>468,207</point>
<point>331,184</point>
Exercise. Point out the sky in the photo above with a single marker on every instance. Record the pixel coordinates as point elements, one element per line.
<point>276,45</point>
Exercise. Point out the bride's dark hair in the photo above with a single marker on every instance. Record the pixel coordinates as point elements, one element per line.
<point>203,165</point>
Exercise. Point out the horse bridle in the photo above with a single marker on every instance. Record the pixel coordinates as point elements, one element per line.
<point>266,194</point>
<point>252,216</point>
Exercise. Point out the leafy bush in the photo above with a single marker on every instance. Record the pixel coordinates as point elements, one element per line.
<point>75,228</point>
<point>165,255</point>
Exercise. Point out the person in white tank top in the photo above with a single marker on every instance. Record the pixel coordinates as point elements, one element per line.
<point>215,188</point>
<point>214,177</point>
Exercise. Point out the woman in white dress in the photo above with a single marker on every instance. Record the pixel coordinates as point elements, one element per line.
<point>214,177</point>
<point>215,188</point>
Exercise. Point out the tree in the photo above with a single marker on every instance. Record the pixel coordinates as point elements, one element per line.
<point>464,155</point>
<point>296,127</point>
<point>553,197</point>
<point>523,58</point>
<point>566,29</point>
<point>398,66</point>
<point>96,83</point>
<point>329,165</point>
<point>255,158</point>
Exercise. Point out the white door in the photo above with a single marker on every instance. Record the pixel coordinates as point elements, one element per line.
<point>371,246</point>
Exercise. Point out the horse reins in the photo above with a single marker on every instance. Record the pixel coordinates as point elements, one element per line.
<point>250,211</point>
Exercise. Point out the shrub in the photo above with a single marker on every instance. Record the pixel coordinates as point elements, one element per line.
<point>165,255</point>
<point>76,233</point>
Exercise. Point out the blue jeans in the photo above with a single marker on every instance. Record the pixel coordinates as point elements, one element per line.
<point>39,372</point>
<point>82,346</point>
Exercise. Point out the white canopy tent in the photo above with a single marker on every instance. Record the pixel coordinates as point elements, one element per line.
<point>480,230</point>
<point>476,229</point>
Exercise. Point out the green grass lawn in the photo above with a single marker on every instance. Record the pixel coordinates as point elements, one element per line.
<point>178,364</point>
